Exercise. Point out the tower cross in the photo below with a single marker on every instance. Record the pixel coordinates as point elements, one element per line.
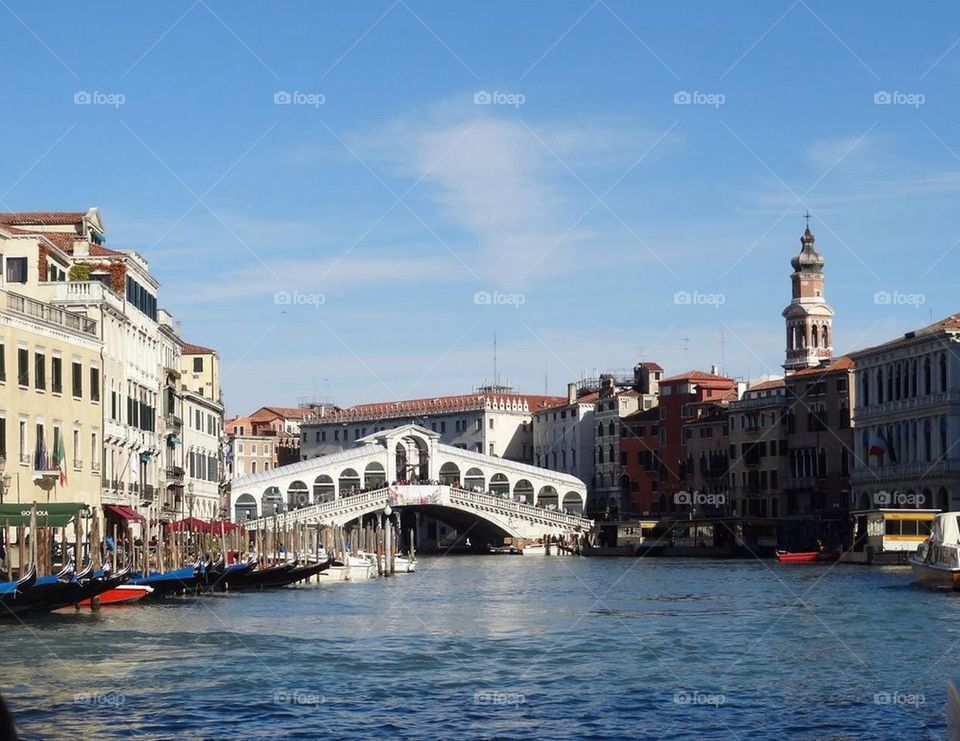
<point>807,215</point>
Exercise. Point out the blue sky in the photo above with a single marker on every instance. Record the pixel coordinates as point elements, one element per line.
<point>582,198</point>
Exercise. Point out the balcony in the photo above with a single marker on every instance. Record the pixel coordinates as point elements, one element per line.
<point>51,314</point>
<point>45,467</point>
<point>812,483</point>
<point>174,473</point>
<point>173,422</point>
<point>148,493</point>
<point>85,292</point>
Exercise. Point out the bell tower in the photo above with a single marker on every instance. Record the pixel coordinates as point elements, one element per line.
<point>809,318</point>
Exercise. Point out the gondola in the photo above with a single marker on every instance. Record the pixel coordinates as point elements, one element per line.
<point>272,576</point>
<point>177,581</point>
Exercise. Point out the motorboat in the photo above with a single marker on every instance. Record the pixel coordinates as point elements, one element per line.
<point>936,562</point>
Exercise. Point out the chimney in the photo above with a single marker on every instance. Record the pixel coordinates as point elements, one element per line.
<point>571,393</point>
<point>714,370</point>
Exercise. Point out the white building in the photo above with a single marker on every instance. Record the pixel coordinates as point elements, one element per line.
<point>907,421</point>
<point>563,435</point>
<point>493,421</point>
<point>202,431</point>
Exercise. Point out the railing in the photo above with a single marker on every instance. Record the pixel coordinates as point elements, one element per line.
<point>363,501</point>
<point>174,472</point>
<point>173,420</point>
<point>39,310</point>
<point>95,466</point>
<point>148,492</point>
<point>803,482</point>
<point>44,463</point>
<point>77,463</point>
<point>24,457</point>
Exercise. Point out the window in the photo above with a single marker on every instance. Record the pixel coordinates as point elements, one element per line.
<point>479,425</point>
<point>23,366</point>
<point>491,423</point>
<point>78,383</point>
<point>40,370</point>
<point>16,270</point>
<point>76,448</point>
<point>3,362</point>
<point>3,437</point>
<point>198,365</point>
<point>94,384</point>
<point>56,375</point>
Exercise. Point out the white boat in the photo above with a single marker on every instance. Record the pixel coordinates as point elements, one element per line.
<point>403,564</point>
<point>537,548</point>
<point>937,561</point>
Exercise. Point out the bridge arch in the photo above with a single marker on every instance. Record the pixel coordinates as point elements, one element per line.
<point>298,495</point>
<point>500,484</point>
<point>413,457</point>
<point>573,503</point>
<point>474,478</point>
<point>450,474</point>
<point>349,481</point>
<point>245,508</point>
<point>272,501</point>
<point>523,491</point>
<point>324,489</point>
<point>374,475</point>
<point>547,496</point>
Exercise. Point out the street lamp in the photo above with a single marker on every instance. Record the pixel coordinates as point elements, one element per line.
<point>190,506</point>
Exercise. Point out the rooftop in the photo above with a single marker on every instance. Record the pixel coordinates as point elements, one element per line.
<point>947,324</point>
<point>441,404</point>
<point>838,364</point>
<point>698,376</point>
<point>189,349</point>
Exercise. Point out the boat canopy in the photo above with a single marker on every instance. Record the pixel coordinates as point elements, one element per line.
<point>57,514</point>
<point>946,529</point>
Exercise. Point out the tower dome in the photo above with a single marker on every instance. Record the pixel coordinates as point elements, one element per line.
<point>809,259</point>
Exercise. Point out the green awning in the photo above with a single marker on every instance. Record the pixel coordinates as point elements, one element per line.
<point>48,515</point>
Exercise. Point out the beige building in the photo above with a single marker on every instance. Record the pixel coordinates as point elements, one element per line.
<point>202,430</point>
<point>50,400</point>
<point>759,462</point>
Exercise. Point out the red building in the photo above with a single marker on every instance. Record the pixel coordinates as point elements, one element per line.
<point>640,463</point>
<point>679,397</point>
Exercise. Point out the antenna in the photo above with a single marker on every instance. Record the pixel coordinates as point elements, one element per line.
<point>496,381</point>
<point>545,386</point>
<point>723,345</point>
<point>686,349</point>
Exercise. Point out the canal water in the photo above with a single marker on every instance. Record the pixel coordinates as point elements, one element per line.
<point>506,647</point>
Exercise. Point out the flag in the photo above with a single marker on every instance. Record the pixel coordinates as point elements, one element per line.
<point>60,455</point>
<point>878,446</point>
<point>891,448</point>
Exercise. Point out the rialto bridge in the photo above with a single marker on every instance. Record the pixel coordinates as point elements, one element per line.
<point>466,489</point>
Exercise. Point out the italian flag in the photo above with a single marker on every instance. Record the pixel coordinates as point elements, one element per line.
<point>61,458</point>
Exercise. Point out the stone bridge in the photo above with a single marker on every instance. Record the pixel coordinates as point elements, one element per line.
<point>499,514</point>
<point>511,498</point>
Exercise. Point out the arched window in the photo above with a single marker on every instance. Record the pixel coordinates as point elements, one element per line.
<point>610,428</point>
<point>865,390</point>
<point>865,439</point>
<point>943,437</point>
<point>927,442</point>
<point>890,383</point>
<point>943,372</point>
<point>913,378</point>
<point>815,338</point>
<point>824,336</point>
<point>897,389</point>
<point>600,429</point>
<point>927,380</point>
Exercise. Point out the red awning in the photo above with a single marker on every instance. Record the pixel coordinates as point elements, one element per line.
<point>196,525</point>
<point>127,514</point>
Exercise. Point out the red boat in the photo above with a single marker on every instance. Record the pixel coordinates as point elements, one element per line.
<point>124,594</point>
<point>807,557</point>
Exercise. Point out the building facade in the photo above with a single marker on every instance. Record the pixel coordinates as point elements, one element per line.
<point>907,415</point>
<point>202,431</point>
<point>563,434</point>
<point>493,421</point>
<point>706,468</point>
<point>759,460</point>
<point>640,463</point>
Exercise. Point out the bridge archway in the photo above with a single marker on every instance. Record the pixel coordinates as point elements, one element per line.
<point>523,491</point>
<point>349,480</point>
<point>374,477</point>
<point>298,495</point>
<point>413,458</point>
<point>474,479</point>
<point>324,489</point>
<point>547,496</point>
<point>573,503</point>
<point>450,474</point>
<point>500,484</point>
<point>271,501</point>
<point>245,508</point>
